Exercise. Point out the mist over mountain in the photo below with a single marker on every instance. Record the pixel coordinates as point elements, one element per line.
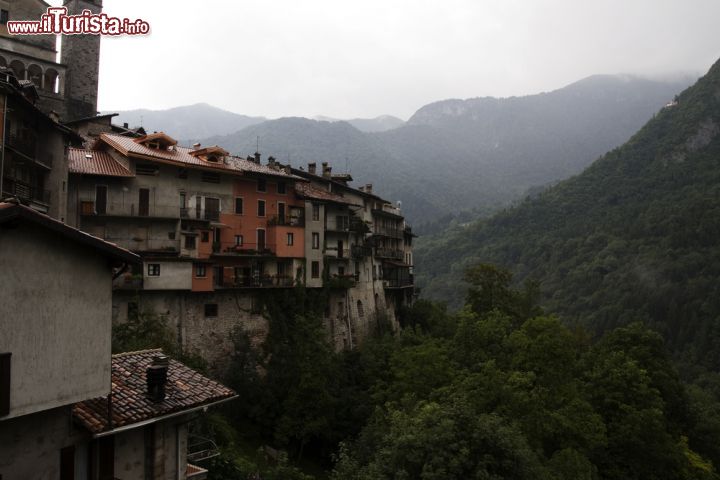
<point>633,237</point>
<point>452,155</point>
<point>188,122</point>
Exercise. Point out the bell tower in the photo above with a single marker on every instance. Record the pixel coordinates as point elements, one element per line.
<point>81,54</point>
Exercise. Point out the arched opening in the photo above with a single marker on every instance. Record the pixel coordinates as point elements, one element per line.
<point>52,80</point>
<point>3,62</point>
<point>18,69</point>
<point>361,311</point>
<point>35,75</point>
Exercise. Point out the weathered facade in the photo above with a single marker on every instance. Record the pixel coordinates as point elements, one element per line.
<point>68,410</point>
<point>215,229</point>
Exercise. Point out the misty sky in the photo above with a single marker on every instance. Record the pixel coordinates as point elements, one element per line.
<point>370,57</point>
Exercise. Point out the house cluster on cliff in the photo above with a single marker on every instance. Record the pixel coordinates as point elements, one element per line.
<point>213,229</point>
<point>100,223</point>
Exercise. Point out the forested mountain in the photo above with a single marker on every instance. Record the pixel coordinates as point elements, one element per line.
<point>633,237</point>
<point>463,154</point>
<point>189,122</point>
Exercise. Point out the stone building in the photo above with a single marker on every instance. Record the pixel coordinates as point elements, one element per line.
<point>33,165</point>
<point>68,410</point>
<point>67,87</point>
<point>214,230</point>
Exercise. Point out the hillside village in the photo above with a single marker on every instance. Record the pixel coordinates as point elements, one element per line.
<point>101,224</point>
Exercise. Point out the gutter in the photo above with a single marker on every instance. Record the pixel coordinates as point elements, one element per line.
<point>160,419</point>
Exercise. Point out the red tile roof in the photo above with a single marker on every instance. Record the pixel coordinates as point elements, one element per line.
<point>182,156</point>
<point>185,389</point>
<point>307,190</point>
<point>95,162</point>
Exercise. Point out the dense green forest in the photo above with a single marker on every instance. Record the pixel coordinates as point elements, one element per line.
<point>632,238</point>
<point>500,389</point>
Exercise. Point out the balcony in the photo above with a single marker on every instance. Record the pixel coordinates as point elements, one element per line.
<point>341,282</point>
<point>285,221</point>
<point>23,141</point>
<point>361,251</point>
<point>256,281</point>
<point>393,232</point>
<point>24,191</point>
<point>334,253</point>
<point>391,253</point>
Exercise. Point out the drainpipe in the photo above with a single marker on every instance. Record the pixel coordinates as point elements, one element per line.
<point>2,155</point>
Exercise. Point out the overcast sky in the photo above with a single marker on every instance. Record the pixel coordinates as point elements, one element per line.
<point>370,57</point>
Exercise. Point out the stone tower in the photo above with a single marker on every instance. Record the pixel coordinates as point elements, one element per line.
<point>81,54</point>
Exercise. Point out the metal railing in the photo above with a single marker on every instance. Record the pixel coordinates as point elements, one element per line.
<point>23,141</point>
<point>24,191</point>
<point>393,232</point>
<point>285,221</point>
<point>392,253</point>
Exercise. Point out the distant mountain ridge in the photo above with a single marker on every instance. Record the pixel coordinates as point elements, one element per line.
<point>458,155</point>
<point>189,122</point>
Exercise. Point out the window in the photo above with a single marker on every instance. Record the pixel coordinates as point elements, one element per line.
<point>210,177</point>
<point>153,269</point>
<point>238,205</point>
<point>260,239</point>
<point>316,212</point>
<point>262,185</point>
<point>182,173</point>
<point>200,270</point>
<point>211,310</point>
<point>190,242</point>
<point>100,199</point>
<point>290,238</point>
<point>204,236</point>
<point>238,240</point>
<point>4,16</point>
<point>67,463</point>
<point>146,169</point>
<point>261,208</point>
<point>361,312</point>
<point>341,271</point>
<point>315,269</point>
<point>4,384</point>
<point>281,188</point>
<point>315,240</point>
<point>144,202</point>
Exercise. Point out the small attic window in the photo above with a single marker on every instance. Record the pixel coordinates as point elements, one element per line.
<point>212,158</point>
<point>88,156</point>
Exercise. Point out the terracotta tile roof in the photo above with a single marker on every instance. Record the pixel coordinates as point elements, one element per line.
<point>185,389</point>
<point>307,190</point>
<point>182,156</point>
<point>99,163</point>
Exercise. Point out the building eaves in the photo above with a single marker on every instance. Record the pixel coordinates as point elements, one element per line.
<point>13,212</point>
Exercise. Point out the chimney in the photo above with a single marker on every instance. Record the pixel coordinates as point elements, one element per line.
<point>288,169</point>
<point>156,377</point>
<point>257,158</point>
<point>271,161</point>
<point>196,146</point>
<point>311,168</point>
<point>54,116</point>
<point>368,188</point>
<point>125,125</point>
<point>327,170</point>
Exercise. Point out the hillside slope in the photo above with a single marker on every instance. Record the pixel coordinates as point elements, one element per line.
<point>635,236</point>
